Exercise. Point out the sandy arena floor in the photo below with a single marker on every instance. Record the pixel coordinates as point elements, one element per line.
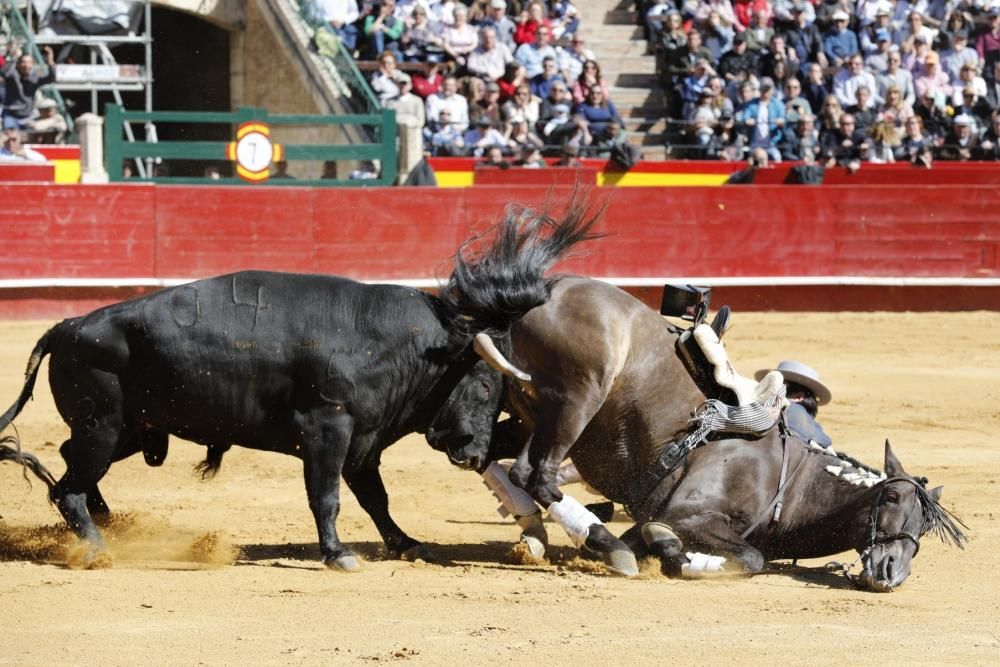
<point>226,572</point>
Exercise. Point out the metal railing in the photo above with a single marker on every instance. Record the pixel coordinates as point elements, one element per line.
<point>352,85</point>
<point>117,150</point>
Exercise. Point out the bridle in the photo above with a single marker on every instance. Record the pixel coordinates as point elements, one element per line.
<point>874,538</point>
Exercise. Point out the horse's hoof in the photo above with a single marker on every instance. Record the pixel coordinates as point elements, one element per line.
<point>654,532</point>
<point>621,562</point>
<point>533,534</point>
<point>345,563</point>
<point>535,546</point>
<point>663,543</point>
<point>416,552</point>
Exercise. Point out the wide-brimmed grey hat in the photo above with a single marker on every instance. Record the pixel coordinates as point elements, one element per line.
<point>799,373</point>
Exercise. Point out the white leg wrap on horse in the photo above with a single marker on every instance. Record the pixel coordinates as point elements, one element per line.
<point>514,500</point>
<point>575,519</point>
<point>701,564</point>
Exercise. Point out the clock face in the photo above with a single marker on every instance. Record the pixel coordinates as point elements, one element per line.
<point>254,152</point>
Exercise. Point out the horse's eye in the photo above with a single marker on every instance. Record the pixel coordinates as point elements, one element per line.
<point>892,497</point>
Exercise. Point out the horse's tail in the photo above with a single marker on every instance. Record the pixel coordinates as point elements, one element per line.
<point>500,275</point>
<point>8,453</point>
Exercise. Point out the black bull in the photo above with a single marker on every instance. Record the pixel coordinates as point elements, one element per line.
<point>322,368</point>
<point>609,391</point>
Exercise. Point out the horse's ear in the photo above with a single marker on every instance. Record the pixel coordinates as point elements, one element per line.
<point>936,493</point>
<point>893,468</point>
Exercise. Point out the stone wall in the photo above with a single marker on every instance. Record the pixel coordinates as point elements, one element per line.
<point>269,68</point>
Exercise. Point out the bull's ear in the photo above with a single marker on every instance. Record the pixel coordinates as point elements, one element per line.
<point>936,493</point>
<point>487,349</point>
<point>893,468</point>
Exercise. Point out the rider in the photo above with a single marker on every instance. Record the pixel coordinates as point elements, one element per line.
<point>805,393</point>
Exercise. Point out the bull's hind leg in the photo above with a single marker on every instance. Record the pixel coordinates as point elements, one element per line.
<point>368,487</point>
<point>88,454</point>
<point>96,505</point>
<point>326,439</point>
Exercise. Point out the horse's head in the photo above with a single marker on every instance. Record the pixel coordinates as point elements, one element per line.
<point>903,512</point>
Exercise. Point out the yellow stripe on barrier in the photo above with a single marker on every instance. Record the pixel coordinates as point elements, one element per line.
<point>455,179</point>
<point>465,179</point>
<point>67,171</point>
<point>648,180</point>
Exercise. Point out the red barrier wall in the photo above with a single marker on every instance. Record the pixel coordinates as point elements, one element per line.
<point>27,171</point>
<point>183,232</point>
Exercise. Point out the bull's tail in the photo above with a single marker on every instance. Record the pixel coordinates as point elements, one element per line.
<point>30,375</point>
<point>500,275</point>
<point>213,461</point>
<point>8,453</point>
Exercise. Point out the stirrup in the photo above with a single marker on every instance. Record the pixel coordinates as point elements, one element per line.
<point>721,321</point>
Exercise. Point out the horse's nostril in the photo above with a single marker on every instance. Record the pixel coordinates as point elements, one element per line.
<point>889,569</point>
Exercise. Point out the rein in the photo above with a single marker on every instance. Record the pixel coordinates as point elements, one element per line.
<point>784,481</point>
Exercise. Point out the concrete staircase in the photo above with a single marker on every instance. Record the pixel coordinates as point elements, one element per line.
<point>611,31</point>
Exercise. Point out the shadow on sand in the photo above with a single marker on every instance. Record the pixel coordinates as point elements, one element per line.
<point>492,555</point>
<point>828,577</point>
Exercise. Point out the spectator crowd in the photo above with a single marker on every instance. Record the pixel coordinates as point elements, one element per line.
<point>27,115</point>
<point>834,82</point>
<point>494,79</point>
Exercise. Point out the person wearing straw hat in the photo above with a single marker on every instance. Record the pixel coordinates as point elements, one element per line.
<point>805,393</point>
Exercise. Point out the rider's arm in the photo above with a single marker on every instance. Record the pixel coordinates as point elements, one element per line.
<point>802,425</point>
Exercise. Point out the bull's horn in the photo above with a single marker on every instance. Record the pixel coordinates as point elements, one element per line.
<point>485,348</point>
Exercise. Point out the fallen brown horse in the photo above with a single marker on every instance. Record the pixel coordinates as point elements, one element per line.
<point>609,391</point>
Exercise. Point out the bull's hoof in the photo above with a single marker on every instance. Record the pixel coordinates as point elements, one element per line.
<point>344,563</point>
<point>416,552</point>
<point>88,556</point>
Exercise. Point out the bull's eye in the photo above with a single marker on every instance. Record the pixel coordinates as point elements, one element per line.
<point>486,390</point>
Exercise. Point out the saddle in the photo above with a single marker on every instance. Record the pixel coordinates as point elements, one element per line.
<point>736,406</point>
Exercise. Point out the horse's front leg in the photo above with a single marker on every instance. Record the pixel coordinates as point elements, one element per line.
<point>557,429</point>
<point>710,532</point>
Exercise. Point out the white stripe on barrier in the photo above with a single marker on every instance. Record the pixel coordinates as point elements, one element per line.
<point>760,281</point>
